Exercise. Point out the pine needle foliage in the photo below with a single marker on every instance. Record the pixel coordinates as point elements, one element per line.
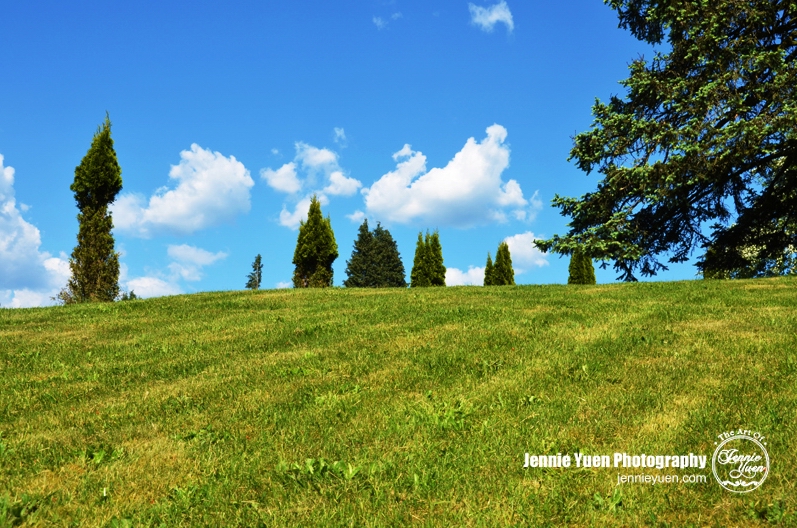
<point>581,270</point>
<point>375,261</point>
<point>316,250</point>
<point>254,278</point>
<point>94,263</point>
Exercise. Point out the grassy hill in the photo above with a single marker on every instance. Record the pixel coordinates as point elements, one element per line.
<point>383,408</point>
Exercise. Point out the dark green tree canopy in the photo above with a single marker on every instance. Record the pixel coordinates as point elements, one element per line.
<point>488,271</point>
<point>95,263</point>
<point>581,270</point>
<point>254,278</point>
<point>428,268</point>
<point>503,274</point>
<point>316,250</point>
<point>375,261</point>
<point>702,151</point>
<point>98,178</point>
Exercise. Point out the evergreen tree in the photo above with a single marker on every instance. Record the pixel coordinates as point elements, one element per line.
<point>503,274</point>
<point>388,269</point>
<point>254,278</point>
<point>581,269</point>
<point>359,266</point>
<point>437,271</point>
<point>419,276</point>
<point>316,250</point>
<point>488,271</point>
<point>95,263</point>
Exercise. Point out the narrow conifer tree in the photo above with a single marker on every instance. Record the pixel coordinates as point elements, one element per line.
<point>503,274</point>
<point>419,276</point>
<point>581,270</point>
<point>94,263</point>
<point>437,270</point>
<point>358,267</point>
<point>254,278</point>
<point>316,250</point>
<point>488,271</point>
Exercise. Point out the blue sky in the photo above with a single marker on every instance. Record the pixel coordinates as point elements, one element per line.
<point>227,116</point>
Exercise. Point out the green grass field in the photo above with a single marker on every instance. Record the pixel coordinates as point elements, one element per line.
<point>395,407</point>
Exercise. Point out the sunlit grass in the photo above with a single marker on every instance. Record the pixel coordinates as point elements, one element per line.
<point>392,407</point>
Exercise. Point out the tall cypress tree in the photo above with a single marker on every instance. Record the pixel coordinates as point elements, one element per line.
<point>488,271</point>
<point>254,278</point>
<point>95,263</point>
<point>316,250</point>
<point>357,268</point>
<point>437,271</point>
<point>503,274</point>
<point>419,276</point>
<point>581,270</point>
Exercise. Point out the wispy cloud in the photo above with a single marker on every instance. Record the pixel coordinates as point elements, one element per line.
<point>487,17</point>
<point>379,22</point>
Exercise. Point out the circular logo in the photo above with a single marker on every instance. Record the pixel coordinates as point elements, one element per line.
<point>741,462</point>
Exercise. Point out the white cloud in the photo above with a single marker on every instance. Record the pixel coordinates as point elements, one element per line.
<point>466,192</point>
<point>152,287</point>
<point>28,276</point>
<point>189,261</point>
<point>283,179</point>
<point>340,136</point>
<point>356,217</point>
<point>318,166</point>
<point>474,276</point>
<point>525,254</point>
<point>275,151</point>
<point>379,22</point>
<point>487,17</point>
<point>396,16</point>
<point>211,189</point>
<point>284,285</point>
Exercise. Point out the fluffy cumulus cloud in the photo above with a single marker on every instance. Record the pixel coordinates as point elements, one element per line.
<point>468,191</point>
<point>487,17</point>
<point>210,189</point>
<point>313,170</point>
<point>474,276</point>
<point>186,265</point>
<point>525,255</point>
<point>28,276</point>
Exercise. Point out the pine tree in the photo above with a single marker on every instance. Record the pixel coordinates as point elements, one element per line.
<point>95,263</point>
<point>581,269</point>
<point>437,271</point>
<point>488,271</point>
<point>388,269</point>
<point>254,278</point>
<point>357,268</point>
<point>503,274</point>
<point>316,250</point>
<point>419,276</point>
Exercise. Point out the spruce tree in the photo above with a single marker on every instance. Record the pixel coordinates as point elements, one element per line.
<point>437,271</point>
<point>254,278</point>
<point>95,263</point>
<point>503,274</point>
<point>316,250</point>
<point>488,271</point>
<point>419,276</point>
<point>388,269</point>
<point>581,270</point>
<point>358,267</point>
